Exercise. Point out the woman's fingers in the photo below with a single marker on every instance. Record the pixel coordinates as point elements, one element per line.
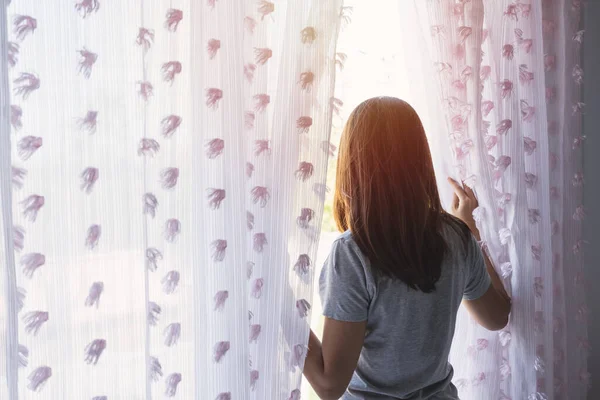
<point>458,190</point>
<point>455,201</point>
<point>471,194</point>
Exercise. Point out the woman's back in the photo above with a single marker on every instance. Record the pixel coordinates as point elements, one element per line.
<point>409,332</point>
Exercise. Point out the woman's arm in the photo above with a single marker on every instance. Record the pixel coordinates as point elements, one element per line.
<point>330,365</point>
<point>496,281</point>
<point>493,308</point>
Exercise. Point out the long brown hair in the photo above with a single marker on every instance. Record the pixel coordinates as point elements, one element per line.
<point>386,193</point>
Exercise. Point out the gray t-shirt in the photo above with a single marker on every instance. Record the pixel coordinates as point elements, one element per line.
<point>409,333</point>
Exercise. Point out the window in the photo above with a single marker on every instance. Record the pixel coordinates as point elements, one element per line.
<point>374,66</point>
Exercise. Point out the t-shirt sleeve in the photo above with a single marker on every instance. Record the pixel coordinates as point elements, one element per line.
<point>343,284</point>
<point>478,280</point>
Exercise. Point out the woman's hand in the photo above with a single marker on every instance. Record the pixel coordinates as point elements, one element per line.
<point>463,204</point>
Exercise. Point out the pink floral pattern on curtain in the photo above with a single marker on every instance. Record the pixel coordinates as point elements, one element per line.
<point>508,79</point>
<point>167,181</point>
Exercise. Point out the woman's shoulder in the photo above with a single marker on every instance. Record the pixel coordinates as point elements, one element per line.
<point>346,263</point>
<point>345,247</point>
<point>455,230</point>
<point>345,236</point>
<point>345,242</point>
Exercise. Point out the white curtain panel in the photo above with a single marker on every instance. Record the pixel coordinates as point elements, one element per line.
<point>503,108</point>
<point>162,177</point>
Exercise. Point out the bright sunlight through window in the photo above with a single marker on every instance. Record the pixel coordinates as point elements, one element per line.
<point>374,66</point>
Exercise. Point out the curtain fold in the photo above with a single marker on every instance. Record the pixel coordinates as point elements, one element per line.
<point>8,294</point>
<point>167,177</point>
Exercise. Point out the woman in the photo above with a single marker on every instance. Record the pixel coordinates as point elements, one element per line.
<point>395,278</point>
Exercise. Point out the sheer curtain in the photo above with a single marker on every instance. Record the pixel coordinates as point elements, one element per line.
<point>162,173</point>
<point>502,82</point>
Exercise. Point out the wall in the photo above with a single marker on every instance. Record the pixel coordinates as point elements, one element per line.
<point>592,189</point>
